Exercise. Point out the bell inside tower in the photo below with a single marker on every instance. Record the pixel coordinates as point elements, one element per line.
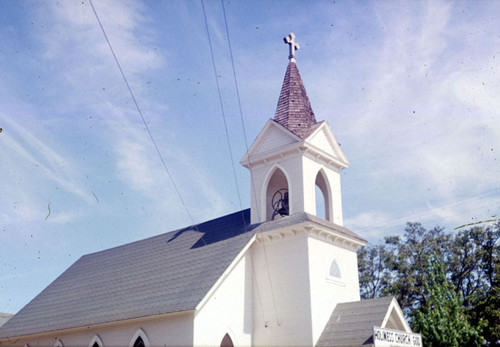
<point>277,196</point>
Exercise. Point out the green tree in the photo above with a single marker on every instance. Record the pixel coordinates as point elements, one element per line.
<point>374,276</point>
<point>408,260</point>
<point>441,319</point>
<point>470,260</point>
<point>475,271</point>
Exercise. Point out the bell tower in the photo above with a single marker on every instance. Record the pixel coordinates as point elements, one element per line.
<point>294,157</point>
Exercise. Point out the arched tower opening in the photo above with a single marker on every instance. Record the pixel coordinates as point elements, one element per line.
<point>277,195</point>
<point>323,197</point>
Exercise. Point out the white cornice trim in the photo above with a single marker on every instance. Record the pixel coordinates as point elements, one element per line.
<point>311,229</point>
<point>271,156</point>
<point>327,159</point>
<point>300,147</point>
<point>325,127</point>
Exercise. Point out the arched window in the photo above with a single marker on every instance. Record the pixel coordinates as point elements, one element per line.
<point>139,339</point>
<point>335,270</point>
<point>139,342</point>
<point>277,194</point>
<point>323,197</point>
<point>226,341</point>
<point>96,342</point>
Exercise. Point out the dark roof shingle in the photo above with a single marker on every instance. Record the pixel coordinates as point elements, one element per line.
<point>167,273</point>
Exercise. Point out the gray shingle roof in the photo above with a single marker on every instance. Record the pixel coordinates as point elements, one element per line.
<point>351,323</point>
<point>167,273</point>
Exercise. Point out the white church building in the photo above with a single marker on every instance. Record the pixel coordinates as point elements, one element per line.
<point>273,275</point>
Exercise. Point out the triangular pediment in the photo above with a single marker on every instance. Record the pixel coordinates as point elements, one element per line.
<point>395,319</point>
<point>324,140</point>
<point>272,138</point>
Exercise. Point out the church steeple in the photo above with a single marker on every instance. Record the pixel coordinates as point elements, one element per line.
<point>294,110</point>
<point>293,155</point>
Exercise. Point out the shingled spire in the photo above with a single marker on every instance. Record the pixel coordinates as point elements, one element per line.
<point>294,110</point>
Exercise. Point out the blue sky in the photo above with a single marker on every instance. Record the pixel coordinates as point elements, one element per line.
<point>410,90</point>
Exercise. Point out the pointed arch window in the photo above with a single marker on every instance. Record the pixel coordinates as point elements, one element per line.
<point>323,197</point>
<point>226,341</point>
<point>96,342</point>
<point>139,342</point>
<point>139,339</point>
<point>277,195</point>
<point>335,274</point>
<point>335,270</point>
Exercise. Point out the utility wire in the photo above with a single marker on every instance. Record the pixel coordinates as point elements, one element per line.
<point>431,211</point>
<point>251,176</point>
<point>140,113</point>
<point>239,104</point>
<point>221,103</point>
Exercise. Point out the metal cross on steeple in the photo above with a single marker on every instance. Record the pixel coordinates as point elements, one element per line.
<point>290,40</point>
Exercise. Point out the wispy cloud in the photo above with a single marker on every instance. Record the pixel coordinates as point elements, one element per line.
<point>461,212</point>
<point>72,64</point>
<point>371,225</point>
<point>138,166</point>
<point>32,166</point>
<point>25,146</point>
<point>429,113</point>
<point>82,60</point>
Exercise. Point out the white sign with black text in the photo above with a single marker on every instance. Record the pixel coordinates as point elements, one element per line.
<point>394,338</point>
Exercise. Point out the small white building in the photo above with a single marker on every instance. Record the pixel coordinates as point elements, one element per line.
<point>273,275</point>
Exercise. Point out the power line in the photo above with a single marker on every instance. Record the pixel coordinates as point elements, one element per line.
<point>239,103</point>
<point>140,113</point>
<point>221,103</point>
<point>246,145</point>
<point>431,211</point>
<point>251,176</point>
